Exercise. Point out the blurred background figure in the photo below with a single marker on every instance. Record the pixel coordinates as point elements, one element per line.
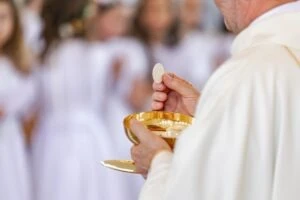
<point>200,46</point>
<point>191,14</point>
<point>71,138</point>
<point>175,40</point>
<point>16,93</point>
<point>128,83</point>
<point>108,13</point>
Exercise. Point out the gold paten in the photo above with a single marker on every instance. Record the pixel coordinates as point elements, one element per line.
<point>120,165</point>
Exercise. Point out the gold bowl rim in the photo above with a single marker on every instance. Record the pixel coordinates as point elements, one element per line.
<point>155,115</point>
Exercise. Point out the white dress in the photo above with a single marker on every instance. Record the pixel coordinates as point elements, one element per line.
<point>191,59</point>
<point>134,66</point>
<point>72,138</point>
<point>16,91</point>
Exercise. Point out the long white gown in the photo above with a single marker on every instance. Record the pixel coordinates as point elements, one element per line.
<point>245,143</point>
<point>16,93</point>
<point>134,67</point>
<point>72,138</point>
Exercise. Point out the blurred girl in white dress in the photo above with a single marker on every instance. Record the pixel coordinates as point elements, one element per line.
<point>128,64</point>
<point>72,138</point>
<point>128,74</point>
<point>16,93</point>
<point>159,24</point>
<point>203,46</point>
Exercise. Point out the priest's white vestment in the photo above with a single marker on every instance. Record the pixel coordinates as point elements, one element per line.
<point>245,143</point>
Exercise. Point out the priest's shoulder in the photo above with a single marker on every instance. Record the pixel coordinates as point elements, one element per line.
<point>267,62</point>
<point>266,58</point>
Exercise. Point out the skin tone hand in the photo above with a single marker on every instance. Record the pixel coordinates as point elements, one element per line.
<point>175,95</point>
<point>150,145</point>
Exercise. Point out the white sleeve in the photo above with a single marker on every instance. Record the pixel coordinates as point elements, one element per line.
<point>157,177</point>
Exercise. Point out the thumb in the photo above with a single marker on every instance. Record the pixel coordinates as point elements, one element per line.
<point>179,85</point>
<point>140,131</point>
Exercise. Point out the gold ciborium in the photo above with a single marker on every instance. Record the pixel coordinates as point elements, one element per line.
<point>164,124</point>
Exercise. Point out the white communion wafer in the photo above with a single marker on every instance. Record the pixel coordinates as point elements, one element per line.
<point>158,72</point>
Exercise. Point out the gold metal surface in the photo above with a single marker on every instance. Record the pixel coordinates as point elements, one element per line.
<point>120,165</point>
<point>165,124</point>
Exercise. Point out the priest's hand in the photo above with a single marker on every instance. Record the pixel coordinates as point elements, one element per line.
<point>149,146</point>
<point>175,95</point>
